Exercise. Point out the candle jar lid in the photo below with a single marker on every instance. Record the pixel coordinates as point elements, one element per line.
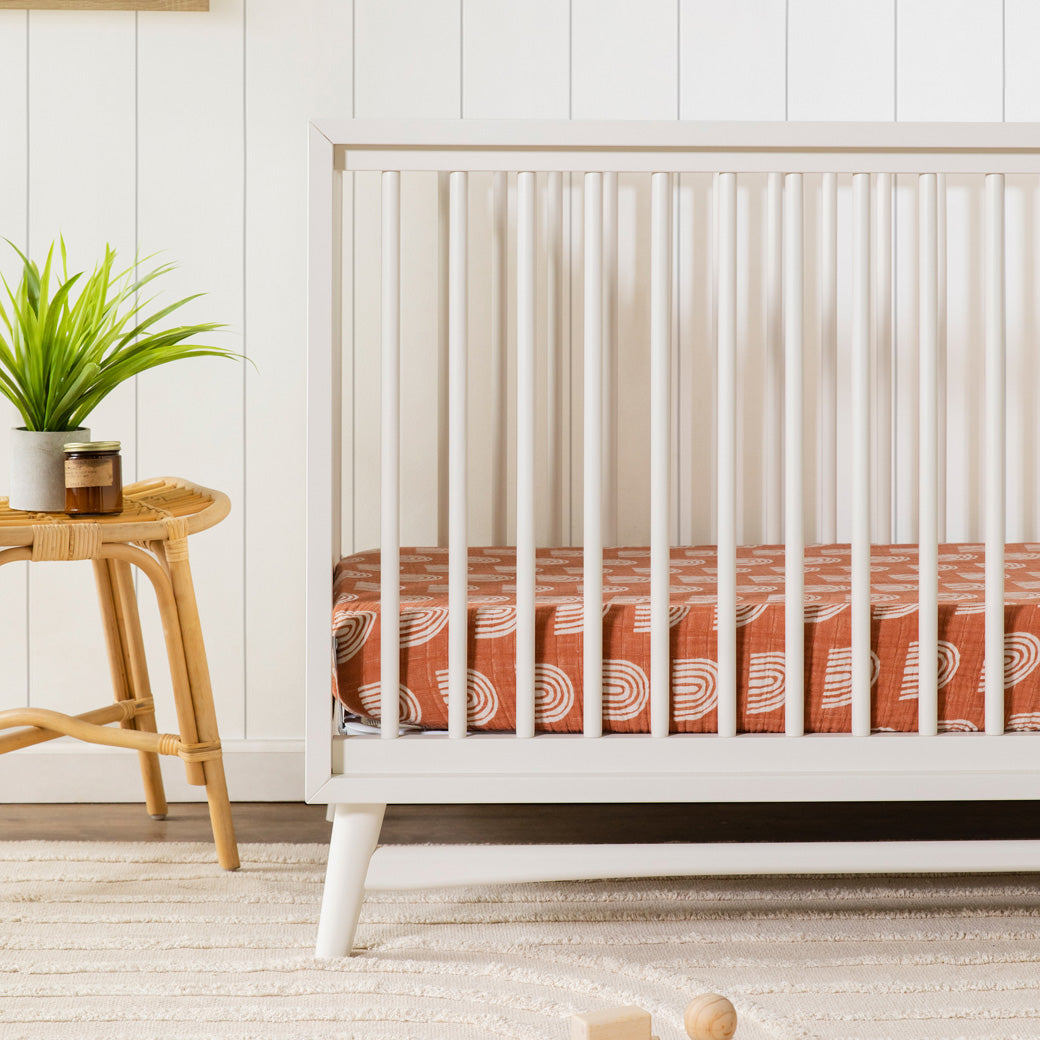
<point>93,446</point>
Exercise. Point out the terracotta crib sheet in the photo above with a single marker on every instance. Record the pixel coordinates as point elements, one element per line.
<point>626,638</point>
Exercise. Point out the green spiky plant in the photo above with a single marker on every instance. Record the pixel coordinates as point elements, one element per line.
<point>61,354</point>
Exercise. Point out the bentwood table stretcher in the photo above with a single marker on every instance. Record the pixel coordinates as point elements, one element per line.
<point>151,533</point>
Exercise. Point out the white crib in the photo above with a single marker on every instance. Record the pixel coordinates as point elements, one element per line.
<point>877,468</point>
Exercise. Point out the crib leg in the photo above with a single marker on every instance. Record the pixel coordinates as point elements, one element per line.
<point>355,832</point>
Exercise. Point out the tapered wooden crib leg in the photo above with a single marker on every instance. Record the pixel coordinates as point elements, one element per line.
<point>355,833</point>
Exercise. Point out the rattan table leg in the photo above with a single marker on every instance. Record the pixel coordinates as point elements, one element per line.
<point>126,661</point>
<point>161,584</point>
<point>202,697</point>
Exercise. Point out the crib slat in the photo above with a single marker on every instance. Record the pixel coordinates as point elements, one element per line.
<point>726,366</point>
<point>928,477</point>
<point>883,359</point>
<point>458,542</point>
<point>995,436</point>
<point>861,662</point>
<point>554,355</point>
<point>660,450</point>
<point>525,477</point>
<point>592,577</point>
<point>829,359</point>
<point>794,517</point>
<point>499,380</point>
<point>941,353</point>
<point>390,460</point>
<point>443,237</point>
<point>610,358</point>
<point>773,447</point>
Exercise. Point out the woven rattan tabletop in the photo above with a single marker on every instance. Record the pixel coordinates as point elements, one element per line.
<point>146,505</point>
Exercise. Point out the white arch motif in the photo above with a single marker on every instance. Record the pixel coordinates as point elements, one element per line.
<point>626,690</point>
<point>765,683</point>
<point>371,700</point>
<point>553,693</point>
<point>837,680</point>
<point>493,622</point>
<point>642,621</point>
<point>949,660</point>
<point>420,626</point>
<point>694,688</point>
<point>351,632</point>
<point>482,699</point>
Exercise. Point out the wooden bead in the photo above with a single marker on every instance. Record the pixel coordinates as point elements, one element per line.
<point>710,1017</point>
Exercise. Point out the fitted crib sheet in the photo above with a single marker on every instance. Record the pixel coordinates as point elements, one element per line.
<point>694,668</point>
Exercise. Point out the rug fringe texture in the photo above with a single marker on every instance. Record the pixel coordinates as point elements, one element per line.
<point>106,940</point>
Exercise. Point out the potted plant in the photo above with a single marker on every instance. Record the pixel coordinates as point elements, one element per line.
<point>61,353</point>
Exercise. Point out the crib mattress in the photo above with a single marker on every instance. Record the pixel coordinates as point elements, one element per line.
<point>694,668</point>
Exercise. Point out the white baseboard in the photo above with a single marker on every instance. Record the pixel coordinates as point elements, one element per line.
<point>70,771</point>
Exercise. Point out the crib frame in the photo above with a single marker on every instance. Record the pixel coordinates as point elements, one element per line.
<point>358,777</point>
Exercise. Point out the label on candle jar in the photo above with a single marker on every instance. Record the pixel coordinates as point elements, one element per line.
<point>81,473</point>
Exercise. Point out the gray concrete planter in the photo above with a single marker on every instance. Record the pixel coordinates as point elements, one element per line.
<point>38,468</point>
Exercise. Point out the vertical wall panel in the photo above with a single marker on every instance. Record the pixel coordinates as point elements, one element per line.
<point>623,55</point>
<point>841,65</point>
<point>1022,102</point>
<point>841,60</point>
<point>1021,69</point>
<point>516,64</point>
<point>515,59</point>
<point>13,173</point>
<point>718,46</point>
<point>950,55</point>
<point>950,67</point>
<point>190,204</point>
<point>407,58</point>
<point>625,67</point>
<point>407,63</point>
<point>81,186</point>
<point>733,59</point>
<point>295,67</point>
<point>13,202</point>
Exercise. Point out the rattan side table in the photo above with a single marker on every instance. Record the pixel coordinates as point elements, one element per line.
<point>151,534</point>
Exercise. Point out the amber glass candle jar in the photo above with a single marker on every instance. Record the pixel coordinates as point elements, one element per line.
<point>93,478</point>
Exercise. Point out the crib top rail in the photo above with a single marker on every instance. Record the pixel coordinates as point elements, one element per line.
<point>681,146</point>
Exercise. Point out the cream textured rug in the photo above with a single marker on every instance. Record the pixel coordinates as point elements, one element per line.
<point>153,940</point>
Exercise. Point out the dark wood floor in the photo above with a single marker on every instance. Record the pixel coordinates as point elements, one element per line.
<point>405,824</point>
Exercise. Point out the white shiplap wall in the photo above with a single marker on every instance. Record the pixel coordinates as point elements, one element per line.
<point>186,132</point>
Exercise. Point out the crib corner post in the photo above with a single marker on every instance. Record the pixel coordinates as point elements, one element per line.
<point>355,832</point>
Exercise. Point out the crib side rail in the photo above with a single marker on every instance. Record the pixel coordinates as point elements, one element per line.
<point>593,154</point>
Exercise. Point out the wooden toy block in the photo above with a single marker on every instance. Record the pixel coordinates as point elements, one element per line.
<point>620,1023</point>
